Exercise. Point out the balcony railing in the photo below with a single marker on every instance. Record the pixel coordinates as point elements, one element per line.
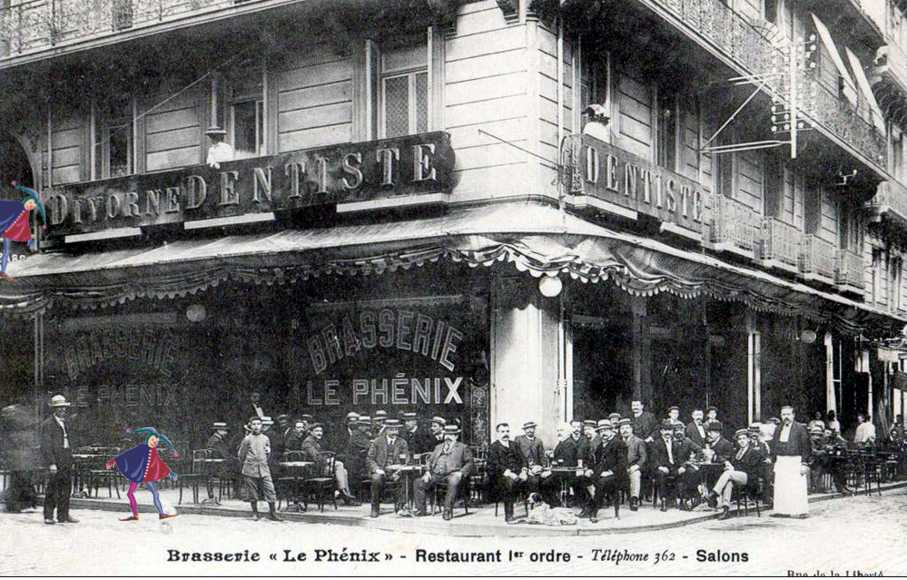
<point>734,226</point>
<point>781,244</point>
<point>849,270</point>
<point>34,25</point>
<point>818,259</point>
<point>746,43</point>
<point>890,202</point>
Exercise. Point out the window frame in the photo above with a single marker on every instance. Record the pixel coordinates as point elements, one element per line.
<point>261,109</point>
<point>104,127</point>
<point>600,67</point>
<point>411,73</point>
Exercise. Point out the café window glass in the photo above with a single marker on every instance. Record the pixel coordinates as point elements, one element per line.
<point>595,68</point>
<point>247,115</point>
<point>114,137</point>
<point>404,94</point>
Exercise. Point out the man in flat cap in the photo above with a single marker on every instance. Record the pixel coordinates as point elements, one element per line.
<point>312,448</point>
<point>386,450</point>
<point>609,470</point>
<point>740,469</point>
<point>636,460</point>
<point>56,449</point>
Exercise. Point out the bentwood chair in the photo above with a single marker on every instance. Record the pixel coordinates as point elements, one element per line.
<point>289,486</point>
<point>321,485</point>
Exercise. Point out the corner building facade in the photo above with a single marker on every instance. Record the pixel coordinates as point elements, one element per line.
<point>415,215</point>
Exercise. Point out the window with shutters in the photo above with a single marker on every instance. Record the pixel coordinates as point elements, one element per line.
<point>404,93</point>
<point>812,208</point>
<point>774,186</point>
<point>894,285</point>
<point>897,153</point>
<point>723,164</point>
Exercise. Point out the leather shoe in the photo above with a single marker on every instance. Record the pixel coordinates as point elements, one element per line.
<point>69,520</point>
<point>132,518</point>
<point>725,513</point>
<point>374,513</point>
<point>448,515</point>
<point>166,516</point>
<point>420,514</point>
<point>593,518</point>
<point>49,521</point>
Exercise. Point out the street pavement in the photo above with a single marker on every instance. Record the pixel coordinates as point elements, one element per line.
<point>845,536</point>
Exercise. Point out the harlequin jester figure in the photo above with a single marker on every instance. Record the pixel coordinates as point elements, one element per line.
<point>14,226</point>
<point>142,465</point>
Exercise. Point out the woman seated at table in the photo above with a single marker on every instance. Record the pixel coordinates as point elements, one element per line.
<point>741,469</point>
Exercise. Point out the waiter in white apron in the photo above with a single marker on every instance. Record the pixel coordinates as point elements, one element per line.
<point>791,450</point>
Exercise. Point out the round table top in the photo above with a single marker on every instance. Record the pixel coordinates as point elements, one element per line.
<point>296,463</point>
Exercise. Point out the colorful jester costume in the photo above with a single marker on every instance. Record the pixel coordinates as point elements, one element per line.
<point>14,226</point>
<point>142,465</point>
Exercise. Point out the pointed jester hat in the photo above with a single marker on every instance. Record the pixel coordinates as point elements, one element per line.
<point>148,432</point>
<point>31,194</point>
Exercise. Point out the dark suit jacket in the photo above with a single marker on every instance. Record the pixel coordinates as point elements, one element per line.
<point>636,452</point>
<point>380,454</point>
<point>460,457</point>
<point>612,456</point>
<point>658,455</point>
<point>750,463</point>
<point>693,433</point>
<point>501,458</point>
<point>689,449</point>
<point>311,448</point>
<point>797,444</point>
<point>645,425</point>
<point>533,451</point>
<point>52,451</point>
<point>422,441</point>
<point>572,451</point>
<point>723,449</point>
<point>295,440</point>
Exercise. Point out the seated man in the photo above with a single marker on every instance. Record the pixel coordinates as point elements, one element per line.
<point>220,447</point>
<point>533,450</point>
<point>386,450</point>
<point>571,451</point>
<point>311,447</point>
<point>450,462</point>
<point>742,468</point>
<point>297,436</point>
<point>507,469</point>
<point>636,460</point>
<point>609,470</point>
<point>688,474</point>
<point>664,454</point>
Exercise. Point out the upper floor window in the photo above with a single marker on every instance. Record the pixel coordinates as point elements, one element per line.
<point>897,153</point>
<point>404,91</point>
<point>723,166</point>
<point>114,136</point>
<point>247,119</point>
<point>668,129</point>
<point>594,80</point>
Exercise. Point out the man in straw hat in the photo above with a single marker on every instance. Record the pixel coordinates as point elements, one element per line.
<point>386,450</point>
<point>56,449</point>
<point>743,467</point>
<point>451,462</point>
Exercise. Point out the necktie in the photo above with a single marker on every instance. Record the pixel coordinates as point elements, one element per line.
<point>65,436</point>
<point>447,448</point>
<point>670,453</point>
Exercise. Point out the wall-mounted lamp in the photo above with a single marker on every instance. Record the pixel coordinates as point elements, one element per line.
<point>808,336</point>
<point>196,313</point>
<point>550,286</point>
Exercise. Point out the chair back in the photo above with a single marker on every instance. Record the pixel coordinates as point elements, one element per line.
<point>325,465</point>
<point>293,456</point>
<point>199,456</point>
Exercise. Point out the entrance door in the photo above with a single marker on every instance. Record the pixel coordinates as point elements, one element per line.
<point>602,368</point>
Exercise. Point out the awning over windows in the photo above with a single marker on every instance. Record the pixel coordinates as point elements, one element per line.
<point>536,239</point>
<point>850,88</point>
<point>878,120</point>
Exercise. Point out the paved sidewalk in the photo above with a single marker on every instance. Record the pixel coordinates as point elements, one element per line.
<point>481,520</point>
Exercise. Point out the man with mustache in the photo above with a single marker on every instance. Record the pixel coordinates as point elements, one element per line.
<point>507,469</point>
<point>696,428</point>
<point>533,450</point>
<point>451,461</point>
<point>609,471</point>
<point>791,449</point>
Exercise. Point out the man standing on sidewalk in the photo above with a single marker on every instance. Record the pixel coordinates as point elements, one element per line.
<point>253,456</point>
<point>791,449</point>
<point>56,449</point>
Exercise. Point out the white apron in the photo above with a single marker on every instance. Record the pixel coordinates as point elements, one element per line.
<point>790,487</point>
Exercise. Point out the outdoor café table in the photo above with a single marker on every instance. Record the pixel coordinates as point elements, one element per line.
<point>710,473</point>
<point>82,463</point>
<point>565,482</point>
<point>409,473</point>
<point>296,470</point>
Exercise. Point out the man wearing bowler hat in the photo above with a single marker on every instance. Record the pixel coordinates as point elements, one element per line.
<point>451,462</point>
<point>722,449</point>
<point>386,450</point>
<point>56,450</point>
